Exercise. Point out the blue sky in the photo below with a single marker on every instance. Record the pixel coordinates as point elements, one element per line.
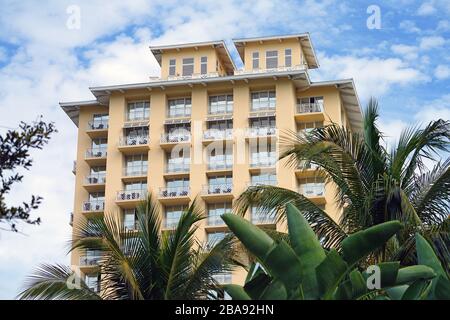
<point>405,64</point>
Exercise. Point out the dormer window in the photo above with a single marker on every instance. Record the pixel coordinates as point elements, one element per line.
<point>188,66</point>
<point>172,67</point>
<point>204,65</point>
<point>271,59</point>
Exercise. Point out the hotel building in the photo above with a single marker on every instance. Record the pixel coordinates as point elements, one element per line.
<point>204,129</point>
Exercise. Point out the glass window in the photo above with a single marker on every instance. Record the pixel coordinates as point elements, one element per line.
<point>263,100</point>
<point>312,186</point>
<point>215,210</point>
<point>220,180</point>
<point>214,237</point>
<point>177,183</point>
<point>100,121</point>
<point>287,57</point>
<point>172,67</point>
<point>139,185</point>
<point>221,104</point>
<point>263,155</point>
<point>136,164</point>
<point>173,215</point>
<point>178,162</point>
<point>93,281</point>
<point>263,122</point>
<point>188,66</point>
<point>220,159</point>
<point>310,104</point>
<point>138,110</point>
<point>204,65</point>
<point>255,60</point>
<point>129,219</point>
<point>271,59</point>
<point>266,178</point>
<point>308,126</point>
<point>99,144</point>
<point>179,107</point>
<point>97,196</point>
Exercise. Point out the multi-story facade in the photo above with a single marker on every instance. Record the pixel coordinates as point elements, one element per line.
<point>204,129</point>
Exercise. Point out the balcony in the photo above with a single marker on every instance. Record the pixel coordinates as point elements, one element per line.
<point>309,112</point>
<point>314,191</point>
<point>97,128</point>
<point>174,195</point>
<point>256,165</point>
<point>96,156</point>
<point>129,199</point>
<point>216,166</point>
<point>174,170</point>
<point>261,132</point>
<point>298,67</point>
<point>211,135</point>
<point>95,182</point>
<point>90,261</point>
<point>134,144</point>
<point>217,192</point>
<point>93,206</point>
<point>306,169</point>
<point>131,174</point>
<point>168,141</point>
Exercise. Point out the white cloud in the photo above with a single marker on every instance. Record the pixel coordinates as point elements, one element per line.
<point>373,76</point>
<point>426,9</point>
<point>409,52</point>
<point>436,109</point>
<point>409,26</point>
<point>442,72</point>
<point>431,42</point>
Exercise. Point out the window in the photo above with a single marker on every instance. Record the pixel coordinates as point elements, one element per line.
<point>178,162</point>
<point>173,215</point>
<point>221,104</point>
<point>263,100</point>
<point>287,57</point>
<point>129,219</point>
<point>259,215</point>
<point>263,122</point>
<point>215,210</point>
<point>267,178</point>
<point>188,66</point>
<point>97,175</point>
<point>136,165</point>
<point>178,184</point>
<point>177,132</point>
<point>308,126</point>
<point>179,107</point>
<point>99,144</point>
<point>255,60</point>
<point>214,237</point>
<point>172,67</point>
<point>139,185</point>
<point>136,135</point>
<point>310,104</point>
<point>312,187</point>
<point>218,159</point>
<point>93,281</point>
<point>263,155</point>
<point>220,125</point>
<point>220,184</point>
<point>138,110</point>
<point>204,65</point>
<point>99,121</point>
<point>97,196</point>
<point>271,59</point>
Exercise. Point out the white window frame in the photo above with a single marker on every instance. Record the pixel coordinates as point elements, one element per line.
<point>255,60</point>
<point>272,59</point>
<point>187,65</point>
<point>288,57</point>
<point>172,67</point>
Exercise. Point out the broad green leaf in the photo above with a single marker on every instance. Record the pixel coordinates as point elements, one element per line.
<point>442,289</point>
<point>396,293</point>
<point>236,292</point>
<point>411,274</point>
<point>257,285</point>
<point>363,242</point>
<point>329,274</point>
<point>417,290</point>
<point>274,291</point>
<point>427,257</point>
<point>284,265</point>
<point>359,286</point>
<point>253,238</point>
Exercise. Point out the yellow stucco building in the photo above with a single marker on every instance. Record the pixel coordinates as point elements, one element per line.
<point>203,129</point>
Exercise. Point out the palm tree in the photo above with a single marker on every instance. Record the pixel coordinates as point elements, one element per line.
<point>374,184</point>
<point>144,264</point>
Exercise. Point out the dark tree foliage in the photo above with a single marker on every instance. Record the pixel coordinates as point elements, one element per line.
<point>15,146</point>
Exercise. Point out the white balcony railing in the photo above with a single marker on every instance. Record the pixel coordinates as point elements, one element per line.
<point>96,153</point>
<point>217,189</point>
<point>263,163</point>
<point>96,178</point>
<point>261,132</point>
<point>126,195</point>
<point>178,167</point>
<point>173,192</point>
<point>133,141</point>
<point>220,164</point>
<point>312,190</point>
<point>98,125</point>
<point>175,138</point>
<point>134,172</point>
<point>90,260</point>
<point>279,69</point>
<point>192,76</point>
<point>309,107</point>
<point>214,134</point>
<point>93,205</point>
